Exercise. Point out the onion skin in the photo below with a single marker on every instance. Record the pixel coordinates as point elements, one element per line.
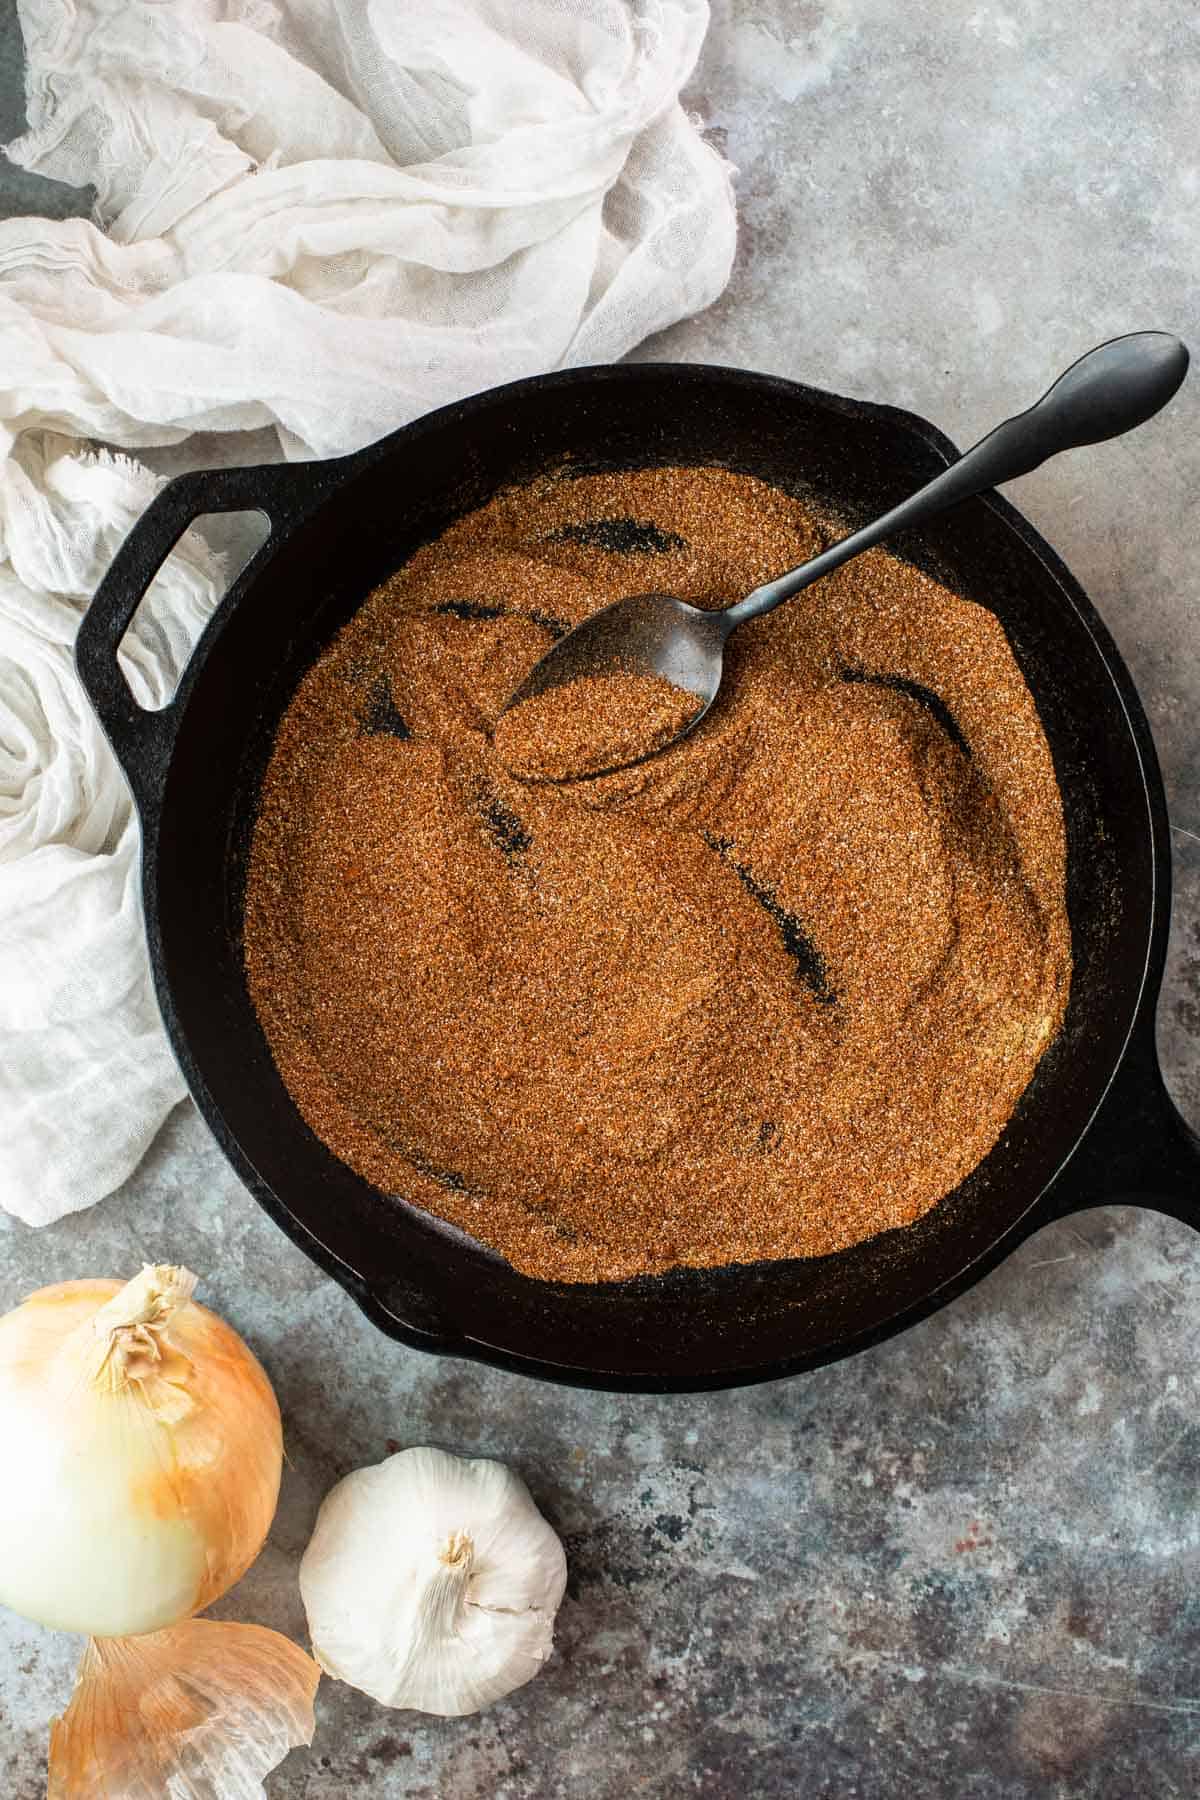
<point>204,1708</point>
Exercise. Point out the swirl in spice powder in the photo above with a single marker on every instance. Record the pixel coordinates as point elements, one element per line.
<point>766,994</point>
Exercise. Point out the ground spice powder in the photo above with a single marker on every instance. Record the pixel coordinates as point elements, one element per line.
<point>765,995</point>
<point>590,724</point>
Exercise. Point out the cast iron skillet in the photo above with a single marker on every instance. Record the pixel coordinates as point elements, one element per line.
<point>1094,1125</point>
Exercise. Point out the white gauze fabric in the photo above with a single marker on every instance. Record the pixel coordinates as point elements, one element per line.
<point>320,219</point>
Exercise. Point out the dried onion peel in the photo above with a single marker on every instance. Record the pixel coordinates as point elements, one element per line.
<point>217,1707</point>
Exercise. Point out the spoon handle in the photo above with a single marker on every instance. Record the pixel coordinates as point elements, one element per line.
<point>1112,389</point>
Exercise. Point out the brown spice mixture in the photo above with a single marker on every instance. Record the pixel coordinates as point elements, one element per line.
<point>765,995</point>
<point>593,723</point>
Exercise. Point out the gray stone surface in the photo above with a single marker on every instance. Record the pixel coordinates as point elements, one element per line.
<point>965,1564</point>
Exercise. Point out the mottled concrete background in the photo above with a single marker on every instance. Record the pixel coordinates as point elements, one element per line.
<point>964,1564</point>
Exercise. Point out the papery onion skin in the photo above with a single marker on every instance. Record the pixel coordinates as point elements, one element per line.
<point>129,1503</point>
<point>204,1708</point>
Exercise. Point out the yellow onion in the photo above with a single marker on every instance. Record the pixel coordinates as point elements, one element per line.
<point>144,1452</point>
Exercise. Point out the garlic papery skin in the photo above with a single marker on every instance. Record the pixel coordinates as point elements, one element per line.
<point>143,1455</point>
<point>432,1581</point>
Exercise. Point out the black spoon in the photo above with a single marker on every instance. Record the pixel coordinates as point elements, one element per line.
<point>1111,390</point>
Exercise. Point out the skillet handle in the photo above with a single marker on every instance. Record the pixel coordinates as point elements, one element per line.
<point>1139,1147</point>
<point>141,738</point>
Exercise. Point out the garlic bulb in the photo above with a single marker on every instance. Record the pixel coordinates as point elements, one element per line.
<point>432,1582</point>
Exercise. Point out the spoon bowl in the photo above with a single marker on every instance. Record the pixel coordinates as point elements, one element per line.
<point>1110,390</point>
<point>649,634</point>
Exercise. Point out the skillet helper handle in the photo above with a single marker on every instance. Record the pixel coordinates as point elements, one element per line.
<point>1139,1148</point>
<point>1109,391</point>
<point>141,738</point>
